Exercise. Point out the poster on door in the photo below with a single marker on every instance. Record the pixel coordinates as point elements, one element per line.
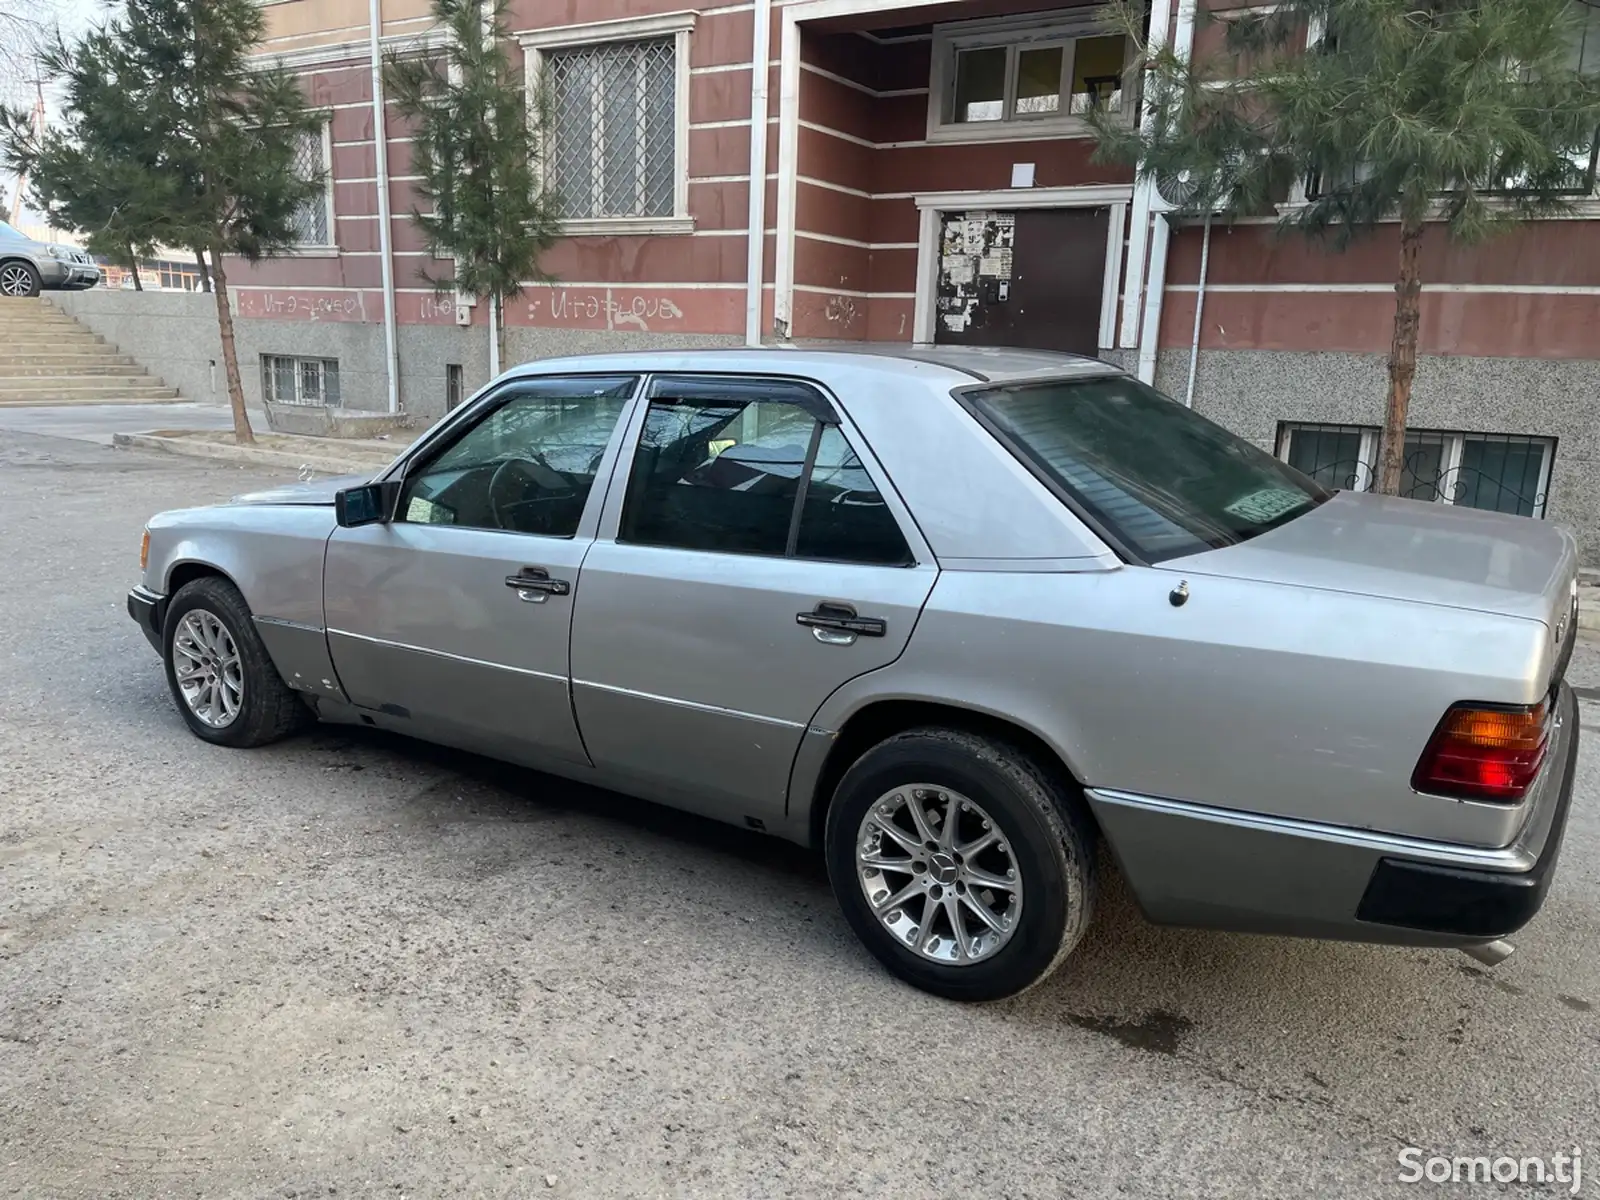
<point>975,267</point>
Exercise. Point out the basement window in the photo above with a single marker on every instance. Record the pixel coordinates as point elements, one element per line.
<point>1507,473</point>
<point>302,381</point>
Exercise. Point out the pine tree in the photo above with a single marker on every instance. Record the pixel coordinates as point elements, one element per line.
<point>201,139</point>
<point>476,154</point>
<point>99,175</point>
<point>1473,113</point>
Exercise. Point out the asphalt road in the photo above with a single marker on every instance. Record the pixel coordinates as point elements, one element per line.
<point>348,965</point>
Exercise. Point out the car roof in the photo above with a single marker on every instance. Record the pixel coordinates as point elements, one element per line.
<point>975,504</point>
<point>963,364</point>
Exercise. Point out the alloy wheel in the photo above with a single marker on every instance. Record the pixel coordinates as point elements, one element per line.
<point>16,280</point>
<point>206,664</point>
<point>938,874</point>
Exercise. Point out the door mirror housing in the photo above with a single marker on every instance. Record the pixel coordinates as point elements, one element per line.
<point>368,504</point>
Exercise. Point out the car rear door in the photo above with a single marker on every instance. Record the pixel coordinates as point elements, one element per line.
<point>454,618</point>
<point>754,561</point>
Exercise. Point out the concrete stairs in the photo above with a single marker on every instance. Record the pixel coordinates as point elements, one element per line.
<point>47,358</point>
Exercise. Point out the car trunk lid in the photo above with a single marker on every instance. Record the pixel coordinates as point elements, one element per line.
<point>1412,550</point>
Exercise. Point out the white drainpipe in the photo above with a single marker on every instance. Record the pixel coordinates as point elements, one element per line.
<point>494,337</point>
<point>1143,193</point>
<point>756,256</point>
<point>496,314</point>
<point>380,145</point>
<point>1199,310</point>
<point>1156,283</point>
<point>1155,291</point>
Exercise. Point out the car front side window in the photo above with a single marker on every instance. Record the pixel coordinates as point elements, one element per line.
<point>528,465</point>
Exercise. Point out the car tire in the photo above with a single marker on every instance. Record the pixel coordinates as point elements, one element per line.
<point>19,279</point>
<point>208,622</point>
<point>1048,839</point>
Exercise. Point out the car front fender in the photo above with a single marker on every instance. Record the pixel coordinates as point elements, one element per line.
<point>274,556</point>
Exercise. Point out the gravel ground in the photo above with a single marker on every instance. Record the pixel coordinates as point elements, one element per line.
<point>351,965</point>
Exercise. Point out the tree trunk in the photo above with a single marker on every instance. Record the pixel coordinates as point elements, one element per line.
<point>133,265</point>
<point>1402,359</point>
<point>205,275</point>
<point>230,354</point>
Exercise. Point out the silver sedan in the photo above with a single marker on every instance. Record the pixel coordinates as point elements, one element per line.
<point>964,620</point>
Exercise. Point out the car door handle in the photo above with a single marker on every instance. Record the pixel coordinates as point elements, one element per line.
<point>534,585</point>
<point>838,624</point>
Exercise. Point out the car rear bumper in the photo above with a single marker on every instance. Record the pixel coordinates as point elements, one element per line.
<point>1215,868</point>
<point>149,612</point>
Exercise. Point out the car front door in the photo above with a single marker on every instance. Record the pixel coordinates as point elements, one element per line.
<point>453,619</point>
<point>752,563</point>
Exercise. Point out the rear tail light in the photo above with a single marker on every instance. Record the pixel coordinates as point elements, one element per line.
<point>1483,753</point>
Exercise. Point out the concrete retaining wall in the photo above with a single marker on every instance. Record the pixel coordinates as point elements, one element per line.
<point>1250,391</point>
<point>174,335</point>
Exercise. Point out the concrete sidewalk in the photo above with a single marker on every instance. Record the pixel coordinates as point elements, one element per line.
<point>330,456</point>
<point>205,431</point>
<point>1588,607</point>
<point>99,423</point>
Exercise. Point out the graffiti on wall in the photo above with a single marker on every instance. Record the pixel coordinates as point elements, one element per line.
<point>842,310</point>
<point>436,309</point>
<point>283,304</point>
<point>587,307</point>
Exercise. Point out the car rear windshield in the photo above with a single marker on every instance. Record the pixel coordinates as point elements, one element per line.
<point>1156,476</point>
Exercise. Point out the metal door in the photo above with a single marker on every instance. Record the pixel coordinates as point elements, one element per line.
<point>1033,278</point>
<point>701,651</point>
<point>456,616</point>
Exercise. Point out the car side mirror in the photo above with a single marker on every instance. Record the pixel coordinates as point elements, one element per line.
<point>366,505</point>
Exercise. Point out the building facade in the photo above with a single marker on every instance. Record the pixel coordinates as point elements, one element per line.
<point>855,170</point>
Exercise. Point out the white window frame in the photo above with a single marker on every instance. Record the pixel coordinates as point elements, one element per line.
<point>1449,462</point>
<point>536,43</point>
<point>1015,34</point>
<point>329,248</point>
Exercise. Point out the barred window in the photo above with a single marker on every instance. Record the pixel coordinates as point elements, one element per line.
<point>1334,455</point>
<point>304,381</point>
<point>1507,473</point>
<point>613,128</point>
<point>313,223</point>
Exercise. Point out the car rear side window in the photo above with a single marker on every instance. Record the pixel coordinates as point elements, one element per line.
<point>1157,477</point>
<point>760,468</point>
<point>843,516</point>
